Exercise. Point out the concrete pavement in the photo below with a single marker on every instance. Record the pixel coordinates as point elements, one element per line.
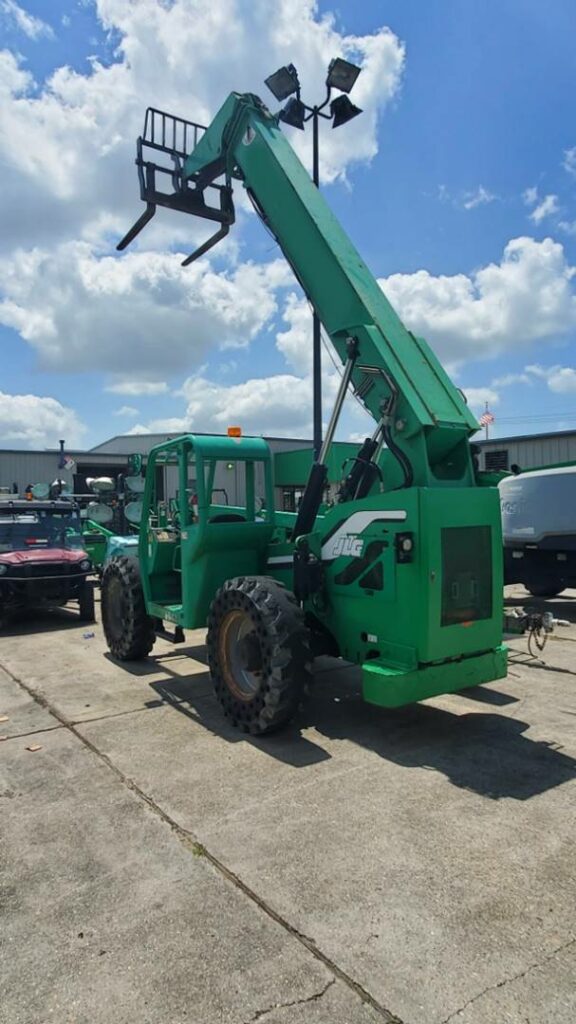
<point>366,865</point>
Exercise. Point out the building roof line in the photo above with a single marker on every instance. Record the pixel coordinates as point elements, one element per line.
<point>199,433</point>
<point>524,437</point>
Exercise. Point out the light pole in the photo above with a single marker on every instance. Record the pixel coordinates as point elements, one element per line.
<point>284,83</point>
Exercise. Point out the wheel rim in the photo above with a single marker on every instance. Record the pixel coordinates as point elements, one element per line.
<point>116,608</point>
<point>240,655</point>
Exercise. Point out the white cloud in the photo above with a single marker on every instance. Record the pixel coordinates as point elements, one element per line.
<point>280,405</point>
<point>569,162</point>
<point>546,208</point>
<point>126,410</point>
<point>137,387</point>
<point>295,344</point>
<point>478,397</point>
<point>78,178</point>
<point>560,379</point>
<point>31,421</point>
<point>478,198</point>
<point>563,380</point>
<point>528,296</point>
<point>139,428</point>
<point>14,80</point>
<point>530,196</point>
<point>511,378</point>
<point>142,312</point>
<point>69,197</point>
<point>567,226</point>
<point>33,27</point>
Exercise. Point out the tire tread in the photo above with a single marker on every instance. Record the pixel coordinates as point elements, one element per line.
<point>286,645</point>
<point>138,635</point>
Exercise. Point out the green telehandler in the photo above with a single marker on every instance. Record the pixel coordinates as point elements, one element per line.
<point>403,574</point>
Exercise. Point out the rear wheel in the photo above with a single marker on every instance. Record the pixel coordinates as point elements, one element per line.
<point>258,653</point>
<point>544,589</point>
<point>128,629</point>
<point>86,602</point>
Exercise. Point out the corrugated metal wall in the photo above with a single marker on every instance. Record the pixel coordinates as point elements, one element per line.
<point>30,467</point>
<point>25,467</point>
<point>533,450</point>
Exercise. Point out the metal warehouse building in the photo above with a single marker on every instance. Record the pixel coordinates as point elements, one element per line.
<point>18,468</point>
<point>528,451</point>
<point>292,459</point>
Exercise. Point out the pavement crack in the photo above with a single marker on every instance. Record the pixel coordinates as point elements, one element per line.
<point>199,850</point>
<point>33,732</point>
<point>154,706</point>
<point>545,666</point>
<point>507,981</point>
<point>295,1002</point>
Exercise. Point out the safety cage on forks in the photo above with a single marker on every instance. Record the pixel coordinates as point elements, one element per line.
<point>174,138</point>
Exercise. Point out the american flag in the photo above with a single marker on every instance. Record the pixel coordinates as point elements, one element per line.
<point>486,418</point>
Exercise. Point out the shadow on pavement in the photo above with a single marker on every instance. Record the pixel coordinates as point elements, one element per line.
<point>288,746</point>
<point>44,622</point>
<point>485,696</point>
<point>154,663</point>
<point>486,753</point>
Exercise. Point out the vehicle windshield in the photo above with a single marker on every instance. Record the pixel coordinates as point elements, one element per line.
<point>40,529</point>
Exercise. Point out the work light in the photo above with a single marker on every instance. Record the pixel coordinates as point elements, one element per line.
<point>341,74</point>
<point>343,110</point>
<point>283,82</point>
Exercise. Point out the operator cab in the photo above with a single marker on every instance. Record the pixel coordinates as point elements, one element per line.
<point>202,521</point>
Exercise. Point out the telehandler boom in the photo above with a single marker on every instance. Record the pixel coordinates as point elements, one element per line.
<point>403,574</point>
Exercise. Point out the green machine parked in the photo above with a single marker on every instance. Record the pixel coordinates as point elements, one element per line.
<point>403,574</point>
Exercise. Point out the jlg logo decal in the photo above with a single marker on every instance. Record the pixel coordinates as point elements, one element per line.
<point>352,547</point>
<point>345,539</point>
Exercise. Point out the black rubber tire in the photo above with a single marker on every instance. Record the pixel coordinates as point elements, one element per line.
<point>86,602</point>
<point>284,653</point>
<point>128,629</point>
<point>544,590</point>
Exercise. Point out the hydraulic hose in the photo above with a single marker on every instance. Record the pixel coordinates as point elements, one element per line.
<point>402,459</point>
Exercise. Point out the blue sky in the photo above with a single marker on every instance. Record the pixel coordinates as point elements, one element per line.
<point>457,184</point>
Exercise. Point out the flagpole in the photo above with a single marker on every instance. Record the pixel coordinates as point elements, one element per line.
<point>486,423</point>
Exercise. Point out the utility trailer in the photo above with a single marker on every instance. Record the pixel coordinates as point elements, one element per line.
<point>403,574</point>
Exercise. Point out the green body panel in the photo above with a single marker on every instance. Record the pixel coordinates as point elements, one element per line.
<point>294,467</point>
<point>400,621</point>
<point>393,688</point>
<point>95,540</point>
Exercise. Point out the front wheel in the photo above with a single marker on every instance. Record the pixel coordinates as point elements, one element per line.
<point>128,629</point>
<point>258,653</point>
